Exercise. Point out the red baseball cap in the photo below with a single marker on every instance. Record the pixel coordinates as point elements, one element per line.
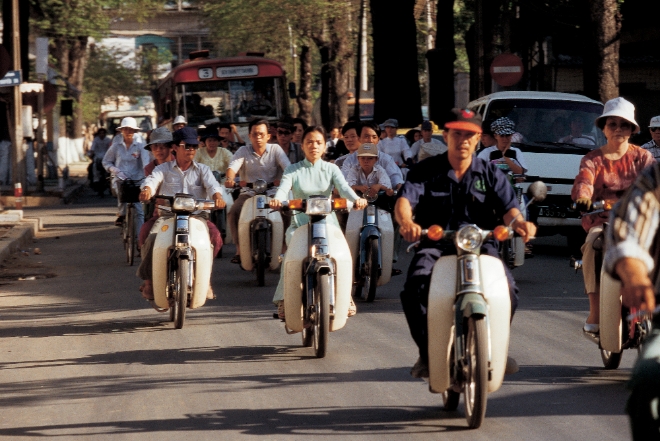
<point>464,119</point>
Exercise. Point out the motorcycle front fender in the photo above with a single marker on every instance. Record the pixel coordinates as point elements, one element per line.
<point>368,232</point>
<point>472,304</point>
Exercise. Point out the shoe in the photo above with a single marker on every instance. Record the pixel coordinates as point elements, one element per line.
<point>420,369</point>
<point>396,272</point>
<point>511,366</point>
<point>209,294</point>
<point>592,328</point>
<point>352,309</point>
<point>119,221</point>
<point>280,310</point>
<point>236,259</point>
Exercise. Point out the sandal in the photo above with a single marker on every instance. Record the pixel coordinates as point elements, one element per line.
<point>396,272</point>
<point>236,259</point>
<point>352,309</point>
<point>147,291</point>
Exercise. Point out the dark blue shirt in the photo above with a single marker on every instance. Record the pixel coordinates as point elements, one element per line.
<point>482,197</point>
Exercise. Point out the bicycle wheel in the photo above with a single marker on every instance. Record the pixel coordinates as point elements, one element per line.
<point>130,234</point>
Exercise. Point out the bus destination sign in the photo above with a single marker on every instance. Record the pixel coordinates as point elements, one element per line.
<point>237,71</point>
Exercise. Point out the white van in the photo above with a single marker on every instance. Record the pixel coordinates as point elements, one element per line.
<point>543,128</point>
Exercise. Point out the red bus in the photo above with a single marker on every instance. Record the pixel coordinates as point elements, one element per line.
<point>225,90</point>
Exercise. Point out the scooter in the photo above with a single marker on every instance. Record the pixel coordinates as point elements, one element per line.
<point>182,256</point>
<point>370,237</point>
<point>260,232</point>
<point>616,333</point>
<point>317,273</point>
<point>512,251</point>
<point>468,317</point>
<point>219,217</point>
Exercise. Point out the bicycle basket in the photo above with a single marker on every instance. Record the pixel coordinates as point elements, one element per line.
<point>129,191</point>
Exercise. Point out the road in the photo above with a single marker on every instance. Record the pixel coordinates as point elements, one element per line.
<point>82,356</point>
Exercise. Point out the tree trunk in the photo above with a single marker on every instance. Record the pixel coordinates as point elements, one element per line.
<point>304,98</point>
<point>602,81</point>
<point>441,64</point>
<point>396,80</point>
<point>71,55</point>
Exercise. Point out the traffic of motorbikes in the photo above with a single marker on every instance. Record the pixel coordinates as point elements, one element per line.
<point>324,266</point>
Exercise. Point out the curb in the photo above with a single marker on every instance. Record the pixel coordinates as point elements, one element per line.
<point>17,238</point>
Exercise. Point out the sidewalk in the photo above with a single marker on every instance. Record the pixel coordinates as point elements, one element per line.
<point>16,230</point>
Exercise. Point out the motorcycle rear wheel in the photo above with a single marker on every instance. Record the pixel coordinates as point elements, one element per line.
<point>371,268</point>
<point>261,258</point>
<point>475,387</point>
<point>322,315</point>
<point>181,297</point>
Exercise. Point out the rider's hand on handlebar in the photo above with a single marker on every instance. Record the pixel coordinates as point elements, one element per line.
<point>389,192</point>
<point>229,183</point>
<point>637,291</point>
<point>360,204</point>
<point>526,230</point>
<point>410,231</point>
<point>583,204</point>
<point>219,202</point>
<point>145,194</point>
<point>275,204</point>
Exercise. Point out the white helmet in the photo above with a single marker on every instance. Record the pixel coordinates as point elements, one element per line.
<point>180,120</point>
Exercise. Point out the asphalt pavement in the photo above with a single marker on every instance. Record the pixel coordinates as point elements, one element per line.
<point>82,356</point>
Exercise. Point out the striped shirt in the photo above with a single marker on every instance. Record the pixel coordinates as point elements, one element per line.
<point>633,231</point>
<point>654,148</point>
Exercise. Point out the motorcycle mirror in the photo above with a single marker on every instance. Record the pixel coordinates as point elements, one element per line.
<point>537,191</point>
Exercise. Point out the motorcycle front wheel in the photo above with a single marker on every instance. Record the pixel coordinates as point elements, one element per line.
<point>181,297</point>
<point>130,234</point>
<point>371,269</point>
<point>322,314</point>
<point>475,387</point>
<point>261,258</point>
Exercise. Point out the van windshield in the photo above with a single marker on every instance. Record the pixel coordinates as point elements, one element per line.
<point>551,121</point>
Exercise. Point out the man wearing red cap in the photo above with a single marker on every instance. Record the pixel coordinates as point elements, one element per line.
<point>451,190</point>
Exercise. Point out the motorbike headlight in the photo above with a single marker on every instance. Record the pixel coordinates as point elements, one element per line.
<point>469,238</point>
<point>260,186</point>
<point>184,204</point>
<point>319,206</point>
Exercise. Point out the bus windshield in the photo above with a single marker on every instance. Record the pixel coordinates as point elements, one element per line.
<point>230,101</point>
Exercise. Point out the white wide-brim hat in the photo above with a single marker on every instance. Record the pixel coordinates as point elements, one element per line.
<point>618,107</point>
<point>128,123</point>
<point>179,120</point>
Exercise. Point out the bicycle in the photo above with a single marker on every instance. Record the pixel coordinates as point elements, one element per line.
<point>129,191</point>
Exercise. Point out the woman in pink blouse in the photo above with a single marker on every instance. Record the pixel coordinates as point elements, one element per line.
<point>605,173</point>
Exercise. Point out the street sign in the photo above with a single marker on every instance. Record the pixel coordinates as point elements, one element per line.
<point>12,78</point>
<point>506,69</point>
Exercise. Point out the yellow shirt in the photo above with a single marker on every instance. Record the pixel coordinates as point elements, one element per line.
<point>220,162</point>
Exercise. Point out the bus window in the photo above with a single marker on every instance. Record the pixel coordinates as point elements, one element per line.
<point>229,101</point>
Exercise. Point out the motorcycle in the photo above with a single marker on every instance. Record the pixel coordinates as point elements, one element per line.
<point>512,251</point>
<point>219,217</point>
<point>616,333</point>
<point>317,273</point>
<point>468,317</point>
<point>182,256</point>
<point>370,237</point>
<point>260,232</point>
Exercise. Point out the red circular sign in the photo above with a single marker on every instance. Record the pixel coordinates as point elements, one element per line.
<point>506,69</point>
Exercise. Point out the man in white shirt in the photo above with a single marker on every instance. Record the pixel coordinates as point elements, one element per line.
<point>183,175</point>
<point>393,145</point>
<point>260,160</point>
<point>427,146</point>
<point>368,177</point>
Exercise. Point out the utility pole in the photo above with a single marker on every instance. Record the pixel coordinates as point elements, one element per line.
<point>18,157</point>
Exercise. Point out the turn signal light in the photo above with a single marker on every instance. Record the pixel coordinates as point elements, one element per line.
<point>339,204</point>
<point>296,204</point>
<point>434,232</point>
<point>501,233</point>
<point>608,204</point>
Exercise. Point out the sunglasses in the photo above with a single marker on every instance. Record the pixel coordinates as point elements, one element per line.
<point>283,132</point>
<point>654,129</point>
<point>189,146</point>
<point>614,126</point>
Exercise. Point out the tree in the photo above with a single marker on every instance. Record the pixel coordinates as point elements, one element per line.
<point>69,24</point>
<point>602,81</point>
<point>396,80</point>
<point>441,63</point>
